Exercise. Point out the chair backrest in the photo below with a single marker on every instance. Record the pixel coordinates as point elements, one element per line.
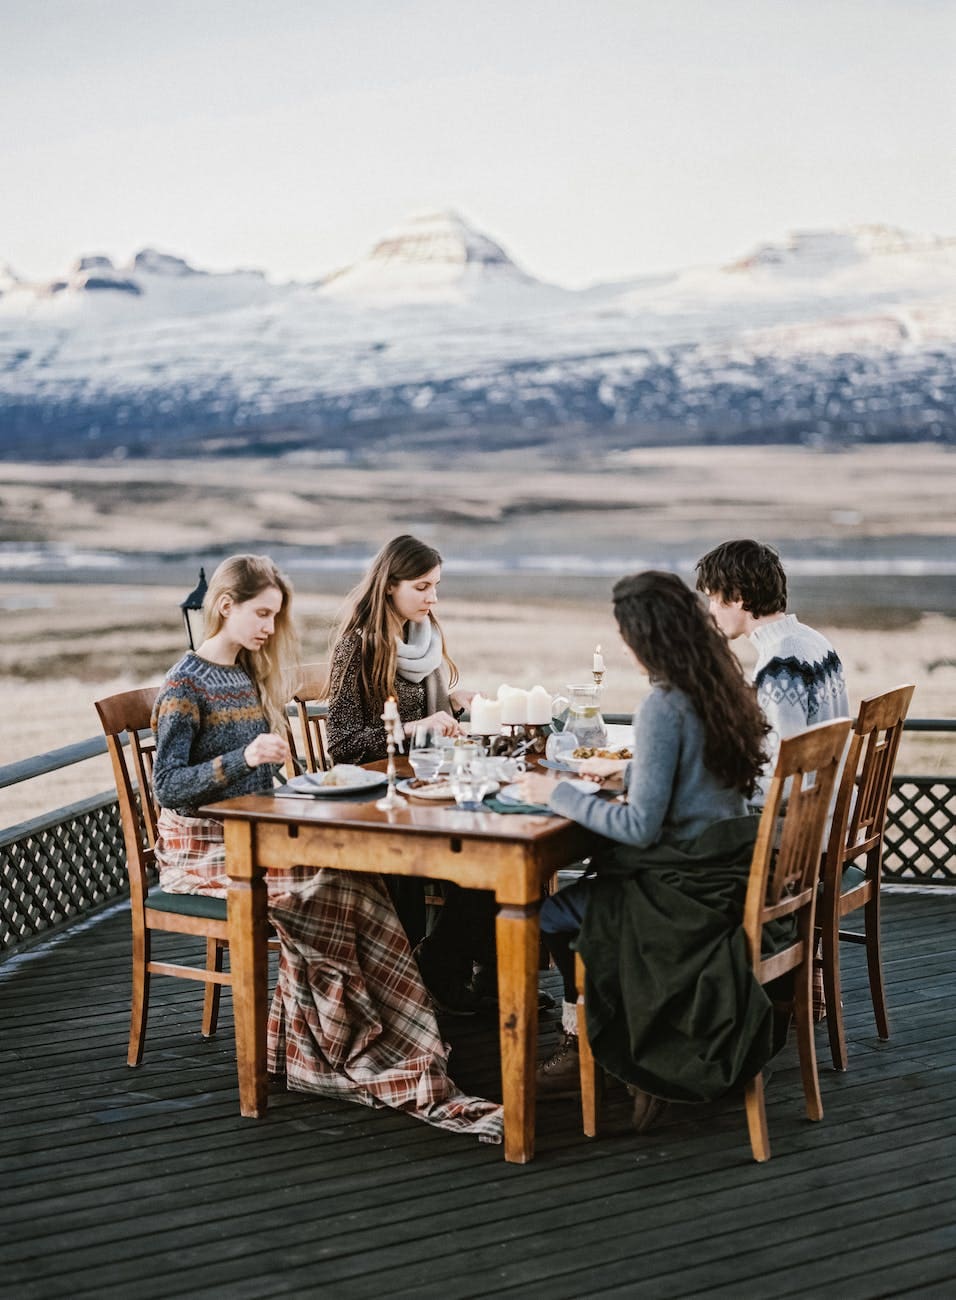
<point>786,859</point>
<point>313,688</point>
<point>859,818</point>
<point>123,715</point>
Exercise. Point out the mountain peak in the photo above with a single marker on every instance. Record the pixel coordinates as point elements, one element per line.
<point>153,262</point>
<point>438,238</point>
<point>434,256</point>
<point>816,251</point>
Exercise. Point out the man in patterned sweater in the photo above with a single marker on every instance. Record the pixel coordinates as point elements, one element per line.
<point>798,675</point>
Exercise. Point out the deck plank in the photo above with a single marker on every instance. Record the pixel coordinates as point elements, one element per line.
<point>115,1180</point>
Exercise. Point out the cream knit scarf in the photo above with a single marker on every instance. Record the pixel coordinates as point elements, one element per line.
<point>419,654</point>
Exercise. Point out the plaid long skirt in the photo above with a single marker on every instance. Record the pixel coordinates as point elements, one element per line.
<point>350,1017</point>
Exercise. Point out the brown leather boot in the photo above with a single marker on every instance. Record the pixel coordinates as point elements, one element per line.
<point>648,1109</point>
<point>559,1075</point>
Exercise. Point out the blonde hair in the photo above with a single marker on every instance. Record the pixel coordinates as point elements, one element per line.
<point>274,668</point>
<point>370,613</point>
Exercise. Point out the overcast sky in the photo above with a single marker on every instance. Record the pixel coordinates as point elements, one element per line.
<point>595,139</point>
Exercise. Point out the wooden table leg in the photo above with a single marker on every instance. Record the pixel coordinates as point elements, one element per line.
<point>248,960</point>
<point>516,932</point>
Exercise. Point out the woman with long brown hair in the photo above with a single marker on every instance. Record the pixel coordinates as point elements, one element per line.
<point>672,882</point>
<point>390,643</point>
<point>350,1017</point>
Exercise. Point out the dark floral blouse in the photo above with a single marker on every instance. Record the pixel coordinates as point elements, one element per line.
<point>354,727</point>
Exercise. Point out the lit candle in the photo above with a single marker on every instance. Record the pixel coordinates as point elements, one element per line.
<point>597,663</point>
<point>539,707</point>
<point>391,709</point>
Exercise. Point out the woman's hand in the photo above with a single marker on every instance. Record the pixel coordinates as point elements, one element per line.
<point>268,748</point>
<point>441,722</point>
<point>534,787</point>
<point>461,699</point>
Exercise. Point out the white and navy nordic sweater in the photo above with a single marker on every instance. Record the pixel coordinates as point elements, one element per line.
<point>799,680</point>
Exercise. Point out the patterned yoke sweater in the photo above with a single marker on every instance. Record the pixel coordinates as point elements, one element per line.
<point>204,717</point>
<point>800,682</point>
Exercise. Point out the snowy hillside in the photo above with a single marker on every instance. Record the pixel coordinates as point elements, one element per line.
<point>842,335</point>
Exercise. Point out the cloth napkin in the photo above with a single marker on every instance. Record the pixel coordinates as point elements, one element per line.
<point>506,806</point>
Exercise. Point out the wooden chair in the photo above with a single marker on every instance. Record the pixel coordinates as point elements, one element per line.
<point>783,879</point>
<point>859,823</point>
<point>154,909</point>
<point>313,688</point>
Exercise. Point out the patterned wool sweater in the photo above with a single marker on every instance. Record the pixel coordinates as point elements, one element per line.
<point>204,717</point>
<point>799,680</point>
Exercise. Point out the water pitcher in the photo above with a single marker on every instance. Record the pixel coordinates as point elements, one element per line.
<point>580,711</point>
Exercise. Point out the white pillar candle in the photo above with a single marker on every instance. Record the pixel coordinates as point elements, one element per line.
<point>514,708</point>
<point>539,707</point>
<point>485,716</point>
<point>493,716</point>
<point>597,663</point>
<point>391,709</point>
<point>480,716</point>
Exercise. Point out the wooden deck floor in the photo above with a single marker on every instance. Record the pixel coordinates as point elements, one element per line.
<point>149,1184</point>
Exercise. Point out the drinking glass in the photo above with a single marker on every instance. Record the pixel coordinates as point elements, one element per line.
<point>561,745</point>
<point>470,782</point>
<point>425,763</point>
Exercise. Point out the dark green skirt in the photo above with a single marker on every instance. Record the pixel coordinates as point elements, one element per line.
<point>672,1002</point>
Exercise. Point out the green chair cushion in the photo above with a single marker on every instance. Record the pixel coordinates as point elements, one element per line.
<point>213,909</point>
<point>852,876</point>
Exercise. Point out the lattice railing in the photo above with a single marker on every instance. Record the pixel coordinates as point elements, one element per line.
<point>56,868</point>
<point>921,830</point>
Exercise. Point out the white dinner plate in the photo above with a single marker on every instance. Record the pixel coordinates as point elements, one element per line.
<point>344,778</point>
<point>441,792</point>
<point>512,792</point>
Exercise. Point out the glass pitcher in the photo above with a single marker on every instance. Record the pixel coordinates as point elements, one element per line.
<point>580,712</point>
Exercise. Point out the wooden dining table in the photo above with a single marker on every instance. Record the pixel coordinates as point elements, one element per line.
<point>513,854</point>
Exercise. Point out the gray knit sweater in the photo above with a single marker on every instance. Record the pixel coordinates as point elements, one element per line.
<point>204,717</point>
<point>672,796</point>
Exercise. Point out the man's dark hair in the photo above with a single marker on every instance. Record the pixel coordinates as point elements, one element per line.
<point>747,571</point>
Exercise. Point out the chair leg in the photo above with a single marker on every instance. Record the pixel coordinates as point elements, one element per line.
<point>591,1074</point>
<point>757,1119</point>
<point>832,988</point>
<point>139,1008</point>
<point>803,1014</point>
<point>210,1006</point>
<point>874,961</point>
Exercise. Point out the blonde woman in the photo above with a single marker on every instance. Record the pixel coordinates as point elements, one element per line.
<point>349,1019</point>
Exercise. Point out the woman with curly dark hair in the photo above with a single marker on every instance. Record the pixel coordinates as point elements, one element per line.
<point>656,915</point>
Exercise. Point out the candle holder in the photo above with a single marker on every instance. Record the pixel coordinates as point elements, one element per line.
<point>529,738</point>
<point>598,676</point>
<point>391,799</point>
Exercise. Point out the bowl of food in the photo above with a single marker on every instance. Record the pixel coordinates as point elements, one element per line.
<point>581,753</point>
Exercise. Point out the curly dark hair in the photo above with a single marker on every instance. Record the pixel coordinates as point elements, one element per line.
<point>747,571</point>
<point>673,636</point>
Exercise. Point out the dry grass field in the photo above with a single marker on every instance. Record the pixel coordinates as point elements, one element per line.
<point>69,635</point>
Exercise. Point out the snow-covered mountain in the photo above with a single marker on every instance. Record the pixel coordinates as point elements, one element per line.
<point>837,335</point>
<point>436,258</point>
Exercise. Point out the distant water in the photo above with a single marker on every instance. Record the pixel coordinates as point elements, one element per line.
<point>59,562</point>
